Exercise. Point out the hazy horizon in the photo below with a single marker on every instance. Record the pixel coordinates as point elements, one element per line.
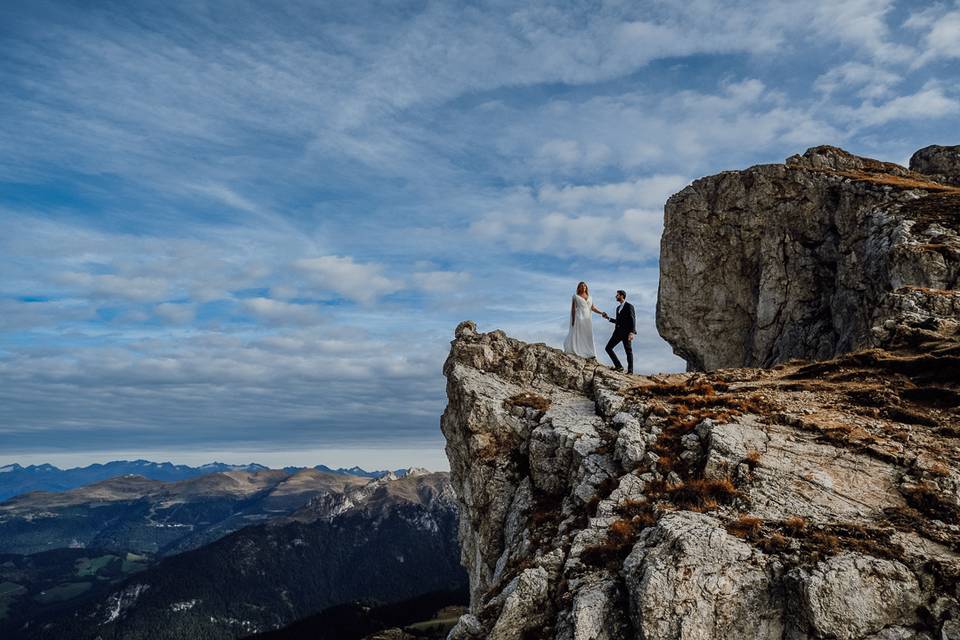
<point>369,459</point>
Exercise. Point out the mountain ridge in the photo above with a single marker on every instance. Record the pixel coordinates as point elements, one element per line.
<point>16,479</point>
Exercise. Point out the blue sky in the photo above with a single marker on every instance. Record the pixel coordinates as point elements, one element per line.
<point>246,230</point>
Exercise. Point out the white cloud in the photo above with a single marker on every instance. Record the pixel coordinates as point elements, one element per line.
<point>870,81</point>
<point>650,191</point>
<point>573,154</point>
<point>618,221</point>
<point>177,312</point>
<point>942,41</point>
<point>138,288</point>
<point>228,196</point>
<point>363,282</point>
<point>441,281</point>
<point>671,132</point>
<point>929,102</point>
<point>862,24</point>
<point>280,312</point>
<point>16,315</point>
<point>631,236</point>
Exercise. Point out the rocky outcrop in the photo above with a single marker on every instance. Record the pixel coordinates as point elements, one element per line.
<point>824,254</point>
<point>806,501</point>
<point>939,162</point>
<point>815,499</point>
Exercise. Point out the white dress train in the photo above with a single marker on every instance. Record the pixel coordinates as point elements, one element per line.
<point>580,337</point>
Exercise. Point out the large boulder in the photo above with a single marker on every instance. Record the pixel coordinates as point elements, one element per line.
<point>819,256</point>
<point>939,162</point>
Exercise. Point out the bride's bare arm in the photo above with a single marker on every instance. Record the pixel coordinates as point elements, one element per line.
<point>595,310</point>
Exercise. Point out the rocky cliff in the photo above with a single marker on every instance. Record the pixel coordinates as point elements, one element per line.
<point>815,257</point>
<point>808,500</point>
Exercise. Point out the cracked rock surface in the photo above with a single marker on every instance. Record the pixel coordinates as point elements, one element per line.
<point>808,501</point>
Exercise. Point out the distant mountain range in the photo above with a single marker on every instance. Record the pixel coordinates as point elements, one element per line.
<point>376,541</point>
<point>16,479</point>
<point>132,513</point>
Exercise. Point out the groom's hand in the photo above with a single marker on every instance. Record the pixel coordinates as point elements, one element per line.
<point>631,337</point>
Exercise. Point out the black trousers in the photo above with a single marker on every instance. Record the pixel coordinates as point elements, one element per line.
<point>615,339</point>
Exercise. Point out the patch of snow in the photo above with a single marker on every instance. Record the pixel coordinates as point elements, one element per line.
<point>119,602</point>
<point>183,606</point>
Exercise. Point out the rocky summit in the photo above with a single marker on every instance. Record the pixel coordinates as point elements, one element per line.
<point>816,498</point>
<point>812,258</point>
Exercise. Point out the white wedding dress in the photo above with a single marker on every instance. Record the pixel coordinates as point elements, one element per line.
<point>580,337</point>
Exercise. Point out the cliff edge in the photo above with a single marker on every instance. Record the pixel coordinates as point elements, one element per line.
<point>808,500</point>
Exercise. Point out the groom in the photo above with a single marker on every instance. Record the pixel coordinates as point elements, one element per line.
<point>624,331</point>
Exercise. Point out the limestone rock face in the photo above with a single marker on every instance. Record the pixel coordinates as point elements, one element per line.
<point>811,501</point>
<point>689,578</point>
<point>939,162</point>
<point>858,596</point>
<point>824,254</point>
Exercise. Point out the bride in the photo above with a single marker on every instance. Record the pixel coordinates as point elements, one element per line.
<point>580,337</point>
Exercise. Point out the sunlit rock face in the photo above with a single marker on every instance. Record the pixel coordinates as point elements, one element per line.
<point>808,501</point>
<point>814,499</point>
<point>818,256</point>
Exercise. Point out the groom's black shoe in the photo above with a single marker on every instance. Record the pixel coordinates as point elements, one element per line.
<point>618,368</point>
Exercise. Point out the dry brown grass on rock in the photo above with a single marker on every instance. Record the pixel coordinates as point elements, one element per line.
<point>620,538</point>
<point>693,387</point>
<point>916,181</point>
<point>795,525</point>
<point>641,512</point>
<point>801,543</point>
<point>622,531</point>
<point>529,400</point>
<point>701,494</point>
<point>746,527</point>
<point>939,469</point>
<point>774,543</point>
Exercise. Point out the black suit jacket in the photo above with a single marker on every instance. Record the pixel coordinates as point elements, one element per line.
<point>626,320</point>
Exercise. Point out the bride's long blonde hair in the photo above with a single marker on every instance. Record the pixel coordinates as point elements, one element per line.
<point>583,285</point>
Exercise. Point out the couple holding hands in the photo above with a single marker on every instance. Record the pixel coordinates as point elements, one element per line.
<point>580,337</point>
